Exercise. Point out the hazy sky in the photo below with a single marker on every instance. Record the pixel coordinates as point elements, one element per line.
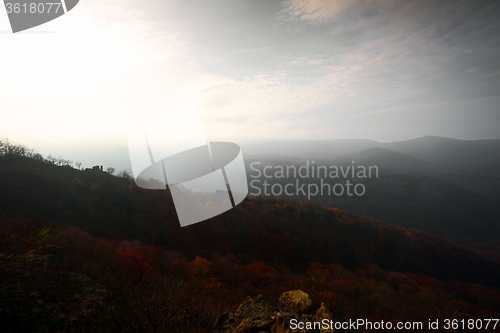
<point>312,69</point>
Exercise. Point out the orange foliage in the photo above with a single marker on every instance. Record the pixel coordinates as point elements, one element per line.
<point>200,267</point>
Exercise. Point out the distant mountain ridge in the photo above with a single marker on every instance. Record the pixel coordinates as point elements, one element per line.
<point>383,157</point>
<point>453,153</point>
<point>443,151</point>
<point>472,164</point>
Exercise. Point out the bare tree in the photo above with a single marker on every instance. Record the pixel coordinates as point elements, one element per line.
<point>110,170</point>
<point>8,148</point>
<point>51,159</point>
<point>124,174</point>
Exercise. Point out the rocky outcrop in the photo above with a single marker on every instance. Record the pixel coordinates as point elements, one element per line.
<point>255,315</point>
<point>295,301</point>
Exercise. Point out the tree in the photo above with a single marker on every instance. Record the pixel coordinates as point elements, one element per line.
<point>8,148</point>
<point>124,174</point>
<point>110,170</point>
<point>51,159</point>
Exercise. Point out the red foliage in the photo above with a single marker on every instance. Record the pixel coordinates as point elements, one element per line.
<point>261,275</point>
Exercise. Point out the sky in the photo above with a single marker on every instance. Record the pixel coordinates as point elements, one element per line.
<point>253,69</point>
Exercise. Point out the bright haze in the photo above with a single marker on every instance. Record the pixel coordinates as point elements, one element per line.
<point>253,69</point>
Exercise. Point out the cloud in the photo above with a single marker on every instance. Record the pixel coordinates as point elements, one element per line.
<point>297,68</point>
<point>106,64</point>
<point>322,10</point>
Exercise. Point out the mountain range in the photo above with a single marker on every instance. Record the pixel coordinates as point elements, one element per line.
<point>85,249</point>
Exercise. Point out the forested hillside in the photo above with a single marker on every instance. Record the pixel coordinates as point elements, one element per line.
<point>84,250</point>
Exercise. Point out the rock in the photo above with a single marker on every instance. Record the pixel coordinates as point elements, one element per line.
<point>254,325</point>
<point>295,301</point>
<point>225,319</point>
<point>255,307</point>
<point>255,315</point>
<point>282,322</point>
<point>324,312</point>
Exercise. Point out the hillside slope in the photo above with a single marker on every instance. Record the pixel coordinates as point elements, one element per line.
<point>267,229</point>
<point>106,256</point>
